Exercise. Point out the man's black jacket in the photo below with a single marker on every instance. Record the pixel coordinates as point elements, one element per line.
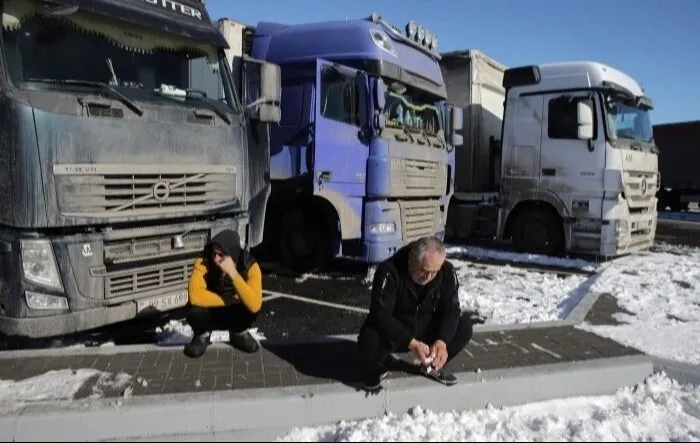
<point>395,310</point>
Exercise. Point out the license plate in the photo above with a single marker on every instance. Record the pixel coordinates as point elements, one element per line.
<point>161,303</point>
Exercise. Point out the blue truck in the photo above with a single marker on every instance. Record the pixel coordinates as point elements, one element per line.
<point>362,160</point>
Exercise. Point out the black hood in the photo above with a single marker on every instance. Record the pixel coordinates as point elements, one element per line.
<point>229,241</point>
<point>187,18</point>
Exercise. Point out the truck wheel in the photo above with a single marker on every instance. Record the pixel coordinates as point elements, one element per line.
<point>302,244</point>
<point>538,232</point>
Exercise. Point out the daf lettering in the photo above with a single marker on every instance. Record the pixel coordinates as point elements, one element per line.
<point>177,7</point>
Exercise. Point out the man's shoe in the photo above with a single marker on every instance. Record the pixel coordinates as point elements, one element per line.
<point>244,341</point>
<point>198,346</point>
<point>373,382</point>
<point>441,376</point>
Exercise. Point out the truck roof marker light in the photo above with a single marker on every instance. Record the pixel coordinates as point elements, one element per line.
<point>421,34</point>
<point>428,38</point>
<point>382,41</point>
<point>411,29</point>
<point>434,43</point>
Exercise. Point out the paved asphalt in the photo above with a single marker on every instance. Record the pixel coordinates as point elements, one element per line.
<point>343,295</point>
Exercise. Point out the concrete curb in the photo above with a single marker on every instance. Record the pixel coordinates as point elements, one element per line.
<point>684,373</point>
<point>251,412</point>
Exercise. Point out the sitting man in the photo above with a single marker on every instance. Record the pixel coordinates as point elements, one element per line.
<point>225,292</point>
<point>414,306</point>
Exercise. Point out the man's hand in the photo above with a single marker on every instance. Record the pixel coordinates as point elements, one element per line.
<point>439,351</point>
<point>228,267</point>
<point>420,349</point>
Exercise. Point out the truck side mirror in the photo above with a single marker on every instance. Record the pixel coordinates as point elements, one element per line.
<point>456,123</point>
<point>584,117</point>
<point>379,94</point>
<point>269,91</point>
<point>361,97</point>
<point>457,119</point>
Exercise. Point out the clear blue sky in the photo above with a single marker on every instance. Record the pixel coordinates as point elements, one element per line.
<point>655,41</point>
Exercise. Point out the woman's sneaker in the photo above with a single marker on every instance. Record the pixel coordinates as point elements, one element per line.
<point>198,346</point>
<point>244,341</point>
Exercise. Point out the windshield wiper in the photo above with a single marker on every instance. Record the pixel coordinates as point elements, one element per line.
<point>178,94</point>
<point>121,97</point>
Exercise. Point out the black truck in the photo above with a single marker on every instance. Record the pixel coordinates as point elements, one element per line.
<point>124,147</point>
<point>679,160</point>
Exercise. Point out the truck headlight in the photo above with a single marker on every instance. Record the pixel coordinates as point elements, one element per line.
<point>36,300</point>
<point>620,227</point>
<point>382,228</point>
<point>39,264</point>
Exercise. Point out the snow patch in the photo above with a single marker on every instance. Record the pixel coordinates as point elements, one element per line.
<point>493,254</point>
<point>658,410</point>
<point>60,385</point>
<point>662,291</point>
<point>508,295</point>
<point>179,333</point>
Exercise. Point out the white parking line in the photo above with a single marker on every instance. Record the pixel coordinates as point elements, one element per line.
<point>315,302</point>
<point>271,296</point>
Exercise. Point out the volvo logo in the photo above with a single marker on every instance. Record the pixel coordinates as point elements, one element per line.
<point>643,186</point>
<point>161,191</point>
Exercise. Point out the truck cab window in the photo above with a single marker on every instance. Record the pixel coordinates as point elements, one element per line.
<point>41,54</point>
<point>339,99</point>
<point>414,111</point>
<point>562,122</point>
<point>627,121</point>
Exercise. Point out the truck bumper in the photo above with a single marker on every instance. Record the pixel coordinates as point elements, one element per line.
<point>636,234</point>
<point>67,323</point>
<point>380,251</point>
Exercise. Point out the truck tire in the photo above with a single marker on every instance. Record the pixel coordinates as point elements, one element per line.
<point>538,232</point>
<point>302,241</point>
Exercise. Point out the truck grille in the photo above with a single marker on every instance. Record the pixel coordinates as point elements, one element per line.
<point>640,189</point>
<point>116,191</point>
<point>418,218</point>
<point>413,178</point>
<point>130,250</point>
<point>149,278</point>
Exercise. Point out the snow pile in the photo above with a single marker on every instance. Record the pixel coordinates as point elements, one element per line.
<point>60,385</point>
<point>658,410</point>
<point>662,291</point>
<point>178,333</point>
<point>507,295</point>
<point>330,276</point>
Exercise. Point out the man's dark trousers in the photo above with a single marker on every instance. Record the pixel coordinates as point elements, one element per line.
<point>376,348</point>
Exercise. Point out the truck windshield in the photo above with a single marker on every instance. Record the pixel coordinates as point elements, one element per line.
<point>627,121</point>
<point>412,111</point>
<point>77,50</point>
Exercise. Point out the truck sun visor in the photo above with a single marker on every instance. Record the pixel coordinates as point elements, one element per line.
<point>135,25</point>
<point>521,76</point>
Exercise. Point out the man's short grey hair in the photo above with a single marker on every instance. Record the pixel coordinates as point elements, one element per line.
<point>424,245</point>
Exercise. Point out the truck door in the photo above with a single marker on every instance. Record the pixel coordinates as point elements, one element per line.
<point>340,151</point>
<point>572,169</point>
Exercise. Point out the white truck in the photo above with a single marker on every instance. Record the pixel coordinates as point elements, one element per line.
<point>559,158</point>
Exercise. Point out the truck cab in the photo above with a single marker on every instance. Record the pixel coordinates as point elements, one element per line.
<point>574,160</point>
<point>595,173</point>
<point>360,161</point>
